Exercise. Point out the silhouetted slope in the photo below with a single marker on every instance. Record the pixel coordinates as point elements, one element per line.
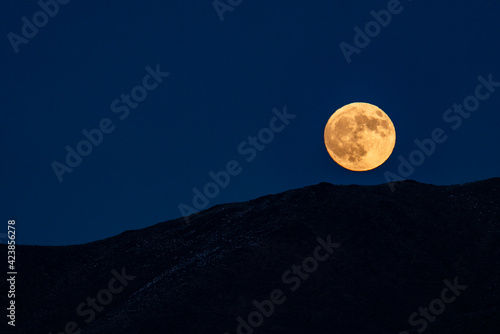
<point>395,251</point>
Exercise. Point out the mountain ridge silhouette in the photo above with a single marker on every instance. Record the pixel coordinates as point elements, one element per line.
<point>396,250</point>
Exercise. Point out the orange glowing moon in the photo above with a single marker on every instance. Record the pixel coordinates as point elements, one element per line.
<point>360,136</point>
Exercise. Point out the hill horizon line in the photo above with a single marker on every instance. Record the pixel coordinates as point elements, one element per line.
<point>183,219</point>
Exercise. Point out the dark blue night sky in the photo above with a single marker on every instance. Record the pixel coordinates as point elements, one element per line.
<point>175,93</point>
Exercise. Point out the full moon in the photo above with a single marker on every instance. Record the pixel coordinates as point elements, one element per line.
<point>360,136</point>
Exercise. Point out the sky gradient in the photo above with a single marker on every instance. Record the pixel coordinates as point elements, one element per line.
<point>204,85</point>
